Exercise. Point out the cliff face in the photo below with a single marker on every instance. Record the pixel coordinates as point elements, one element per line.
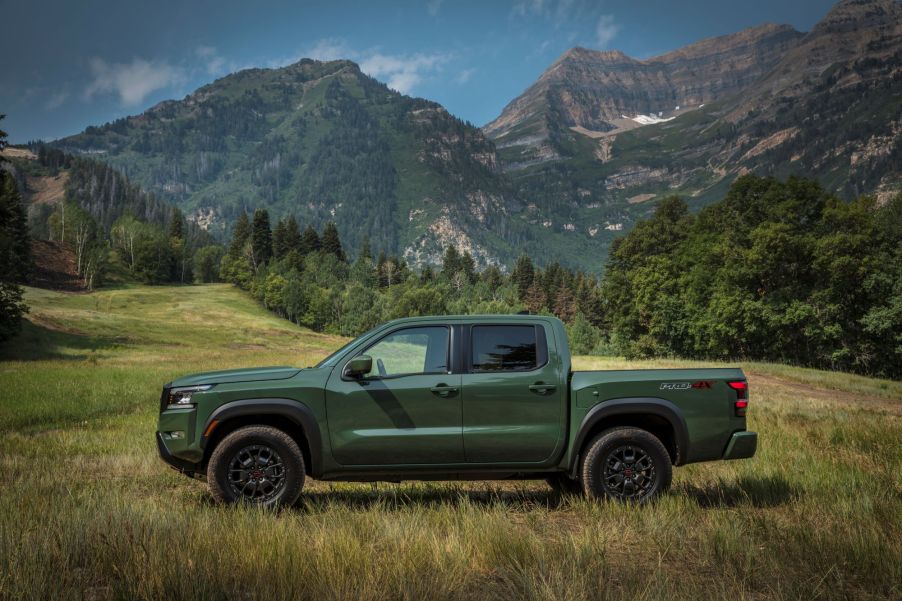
<point>595,90</point>
<point>597,140</point>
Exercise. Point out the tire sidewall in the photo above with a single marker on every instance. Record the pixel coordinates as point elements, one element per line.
<point>602,445</point>
<point>282,443</point>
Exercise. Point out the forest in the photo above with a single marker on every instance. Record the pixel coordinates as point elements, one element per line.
<point>777,271</point>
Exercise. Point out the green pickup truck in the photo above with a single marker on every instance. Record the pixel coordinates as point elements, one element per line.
<point>453,397</point>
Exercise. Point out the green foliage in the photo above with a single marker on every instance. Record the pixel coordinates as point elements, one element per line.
<point>331,243</point>
<point>584,337</point>
<point>777,271</point>
<point>206,262</point>
<point>315,287</point>
<point>15,252</point>
<point>240,235</point>
<point>261,239</point>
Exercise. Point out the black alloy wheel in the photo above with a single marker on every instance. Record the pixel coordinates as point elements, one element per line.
<point>256,465</point>
<point>256,473</point>
<point>625,464</point>
<point>629,473</point>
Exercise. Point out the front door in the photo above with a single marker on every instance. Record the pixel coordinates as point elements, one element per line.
<point>407,410</point>
<point>513,401</point>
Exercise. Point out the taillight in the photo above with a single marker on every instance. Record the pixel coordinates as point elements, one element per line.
<point>742,396</point>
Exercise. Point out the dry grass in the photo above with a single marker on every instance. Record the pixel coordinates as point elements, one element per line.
<point>88,512</point>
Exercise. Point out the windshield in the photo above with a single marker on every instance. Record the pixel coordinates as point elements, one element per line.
<point>330,360</point>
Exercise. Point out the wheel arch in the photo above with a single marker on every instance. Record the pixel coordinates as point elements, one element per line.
<point>658,416</point>
<point>290,416</point>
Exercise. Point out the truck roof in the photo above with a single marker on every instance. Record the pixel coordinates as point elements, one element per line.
<point>483,318</point>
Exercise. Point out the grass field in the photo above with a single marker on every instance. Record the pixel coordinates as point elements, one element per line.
<point>87,511</point>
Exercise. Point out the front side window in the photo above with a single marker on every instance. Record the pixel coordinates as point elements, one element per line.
<point>504,348</point>
<point>409,351</point>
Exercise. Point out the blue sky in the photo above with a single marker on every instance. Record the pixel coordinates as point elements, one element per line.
<point>70,64</point>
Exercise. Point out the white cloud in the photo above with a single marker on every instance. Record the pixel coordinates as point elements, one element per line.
<point>402,73</point>
<point>214,63</point>
<point>464,76</point>
<point>330,49</point>
<point>606,30</point>
<point>55,100</point>
<point>132,82</point>
<point>528,7</point>
<point>433,6</point>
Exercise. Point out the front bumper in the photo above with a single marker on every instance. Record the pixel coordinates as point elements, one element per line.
<point>180,453</point>
<point>185,467</point>
<point>742,445</point>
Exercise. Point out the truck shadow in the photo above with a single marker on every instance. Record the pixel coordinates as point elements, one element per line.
<point>755,491</point>
<point>406,496</point>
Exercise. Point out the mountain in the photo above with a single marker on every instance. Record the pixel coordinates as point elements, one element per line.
<point>600,135</point>
<point>602,91</point>
<point>323,141</point>
<point>564,170</point>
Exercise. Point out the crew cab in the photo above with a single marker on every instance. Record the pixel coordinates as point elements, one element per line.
<point>451,397</point>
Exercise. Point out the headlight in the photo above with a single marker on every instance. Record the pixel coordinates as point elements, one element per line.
<point>181,397</point>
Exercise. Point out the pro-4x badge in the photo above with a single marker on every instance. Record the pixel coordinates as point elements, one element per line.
<point>675,386</point>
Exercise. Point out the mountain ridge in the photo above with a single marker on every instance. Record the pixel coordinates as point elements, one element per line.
<point>566,168</point>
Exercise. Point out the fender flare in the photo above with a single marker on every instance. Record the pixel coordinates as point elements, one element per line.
<point>297,412</point>
<point>642,405</point>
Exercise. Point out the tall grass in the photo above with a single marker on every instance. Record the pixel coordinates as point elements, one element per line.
<point>88,512</point>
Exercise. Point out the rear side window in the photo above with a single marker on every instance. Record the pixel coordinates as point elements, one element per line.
<point>506,348</point>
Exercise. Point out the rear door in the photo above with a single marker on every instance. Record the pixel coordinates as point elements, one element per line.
<point>512,394</point>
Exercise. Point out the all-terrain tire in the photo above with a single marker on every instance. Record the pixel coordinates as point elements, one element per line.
<point>626,464</point>
<point>564,485</point>
<point>259,465</point>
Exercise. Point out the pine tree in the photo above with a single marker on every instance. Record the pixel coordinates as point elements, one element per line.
<point>536,299</point>
<point>261,238</point>
<point>310,241</point>
<point>468,266</point>
<point>523,275</point>
<point>427,275</point>
<point>15,252</point>
<point>331,242</point>
<point>450,262</point>
<point>177,225</point>
<point>279,239</point>
<point>365,251</point>
<point>292,235</point>
<point>565,305</point>
<point>240,236</point>
<point>493,277</point>
<point>15,243</point>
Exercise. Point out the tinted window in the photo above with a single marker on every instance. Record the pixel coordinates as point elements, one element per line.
<point>410,351</point>
<point>504,348</point>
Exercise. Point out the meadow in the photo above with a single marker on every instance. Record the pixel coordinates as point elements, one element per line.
<point>87,510</point>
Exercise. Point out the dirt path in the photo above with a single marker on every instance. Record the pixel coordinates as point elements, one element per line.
<point>824,394</point>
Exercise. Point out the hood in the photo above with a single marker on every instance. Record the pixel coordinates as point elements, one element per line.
<point>253,374</point>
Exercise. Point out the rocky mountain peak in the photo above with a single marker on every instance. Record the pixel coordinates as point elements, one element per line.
<point>596,90</point>
<point>853,15</point>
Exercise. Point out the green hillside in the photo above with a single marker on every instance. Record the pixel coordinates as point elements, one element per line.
<point>89,512</point>
<point>322,141</point>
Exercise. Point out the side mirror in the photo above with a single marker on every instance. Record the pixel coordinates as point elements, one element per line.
<point>359,366</point>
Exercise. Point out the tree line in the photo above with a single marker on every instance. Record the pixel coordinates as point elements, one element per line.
<point>776,271</point>
<point>307,277</point>
<point>15,250</point>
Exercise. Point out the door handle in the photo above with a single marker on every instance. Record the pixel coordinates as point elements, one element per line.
<point>542,388</point>
<point>443,390</point>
